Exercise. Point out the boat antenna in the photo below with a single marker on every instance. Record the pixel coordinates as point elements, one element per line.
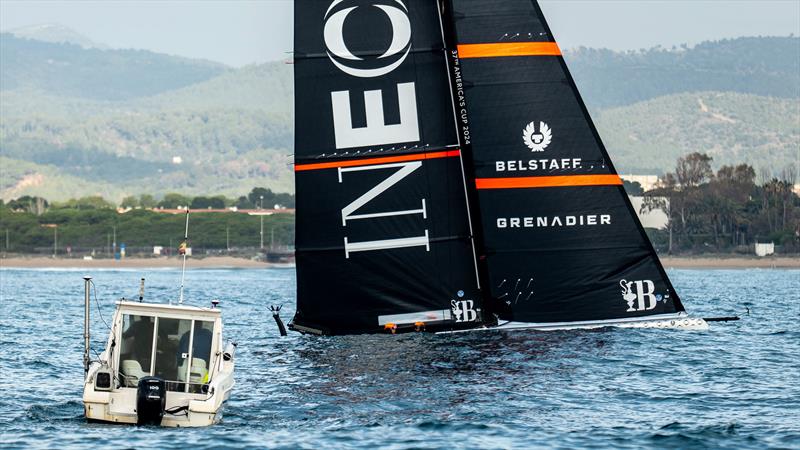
<point>182,251</point>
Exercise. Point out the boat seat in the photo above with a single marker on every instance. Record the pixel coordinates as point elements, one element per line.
<point>197,374</point>
<point>131,371</point>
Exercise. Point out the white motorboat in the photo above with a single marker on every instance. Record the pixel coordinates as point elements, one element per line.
<point>144,375</point>
<point>163,364</point>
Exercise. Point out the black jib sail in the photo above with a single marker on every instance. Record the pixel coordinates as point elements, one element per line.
<point>383,235</point>
<point>561,240</point>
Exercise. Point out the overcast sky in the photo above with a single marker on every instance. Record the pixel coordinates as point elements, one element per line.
<point>239,32</point>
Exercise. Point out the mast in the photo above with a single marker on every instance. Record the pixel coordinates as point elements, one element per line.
<point>463,145</point>
<point>184,246</point>
<point>461,113</point>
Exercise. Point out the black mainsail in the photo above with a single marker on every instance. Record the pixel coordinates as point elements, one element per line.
<point>449,176</point>
<point>383,232</point>
<point>561,240</point>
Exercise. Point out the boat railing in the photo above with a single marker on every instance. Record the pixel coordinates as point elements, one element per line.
<point>132,381</point>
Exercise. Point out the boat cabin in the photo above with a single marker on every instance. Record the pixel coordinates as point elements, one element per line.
<point>173,343</point>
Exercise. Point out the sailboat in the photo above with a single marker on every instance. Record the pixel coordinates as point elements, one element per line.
<point>449,177</point>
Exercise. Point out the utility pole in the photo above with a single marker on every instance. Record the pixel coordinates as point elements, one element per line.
<point>261,215</point>
<point>114,242</point>
<point>7,239</point>
<point>272,236</point>
<point>228,238</point>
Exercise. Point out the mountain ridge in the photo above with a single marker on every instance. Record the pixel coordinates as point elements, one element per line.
<point>57,34</point>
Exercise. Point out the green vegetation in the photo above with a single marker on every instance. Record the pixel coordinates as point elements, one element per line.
<point>727,210</point>
<point>764,66</point>
<point>113,121</point>
<point>632,187</point>
<point>73,71</point>
<point>87,224</point>
<point>647,137</point>
<point>87,230</point>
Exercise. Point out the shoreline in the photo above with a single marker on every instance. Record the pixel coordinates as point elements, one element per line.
<point>231,262</point>
<point>211,262</point>
<point>729,262</point>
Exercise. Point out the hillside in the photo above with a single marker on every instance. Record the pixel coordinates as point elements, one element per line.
<point>70,70</point>
<point>57,34</point>
<point>79,121</point>
<point>768,66</point>
<point>648,137</point>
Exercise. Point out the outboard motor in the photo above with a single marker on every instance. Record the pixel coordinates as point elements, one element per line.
<point>151,398</point>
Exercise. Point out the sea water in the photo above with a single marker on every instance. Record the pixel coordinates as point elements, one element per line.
<point>734,386</point>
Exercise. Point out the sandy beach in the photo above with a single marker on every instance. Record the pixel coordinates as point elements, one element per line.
<point>211,262</point>
<point>741,262</point>
<point>226,262</point>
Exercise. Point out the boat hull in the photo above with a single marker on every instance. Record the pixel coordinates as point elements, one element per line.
<point>119,405</point>
<point>680,321</point>
<point>97,413</point>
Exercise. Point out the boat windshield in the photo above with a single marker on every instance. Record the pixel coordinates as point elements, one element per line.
<point>136,348</point>
<point>181,353</point>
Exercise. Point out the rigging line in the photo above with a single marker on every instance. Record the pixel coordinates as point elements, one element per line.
<point>96,302</point>
<point>97,356</point>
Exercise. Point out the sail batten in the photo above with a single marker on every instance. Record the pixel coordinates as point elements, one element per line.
<point>377,160</point>
<point>548,181</point>
<point>507,49</point>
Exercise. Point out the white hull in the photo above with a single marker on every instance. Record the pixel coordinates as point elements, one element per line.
<point>680,321</point>
<point>119,405</point>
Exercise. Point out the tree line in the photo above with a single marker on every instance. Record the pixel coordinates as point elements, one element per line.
<point>723,211</point>
<point>727,210</point>
<point>258,198</point>
<point>93,225</point>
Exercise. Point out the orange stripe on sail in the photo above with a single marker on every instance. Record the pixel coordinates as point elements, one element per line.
<point>373,161</point>
<point>554,181</point>
<point>508,49</point>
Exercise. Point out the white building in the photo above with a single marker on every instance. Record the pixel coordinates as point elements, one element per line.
<point>653,219</point>
<point>765,249</point>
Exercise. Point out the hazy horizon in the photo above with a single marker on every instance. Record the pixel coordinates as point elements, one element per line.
<point>242,32</point>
